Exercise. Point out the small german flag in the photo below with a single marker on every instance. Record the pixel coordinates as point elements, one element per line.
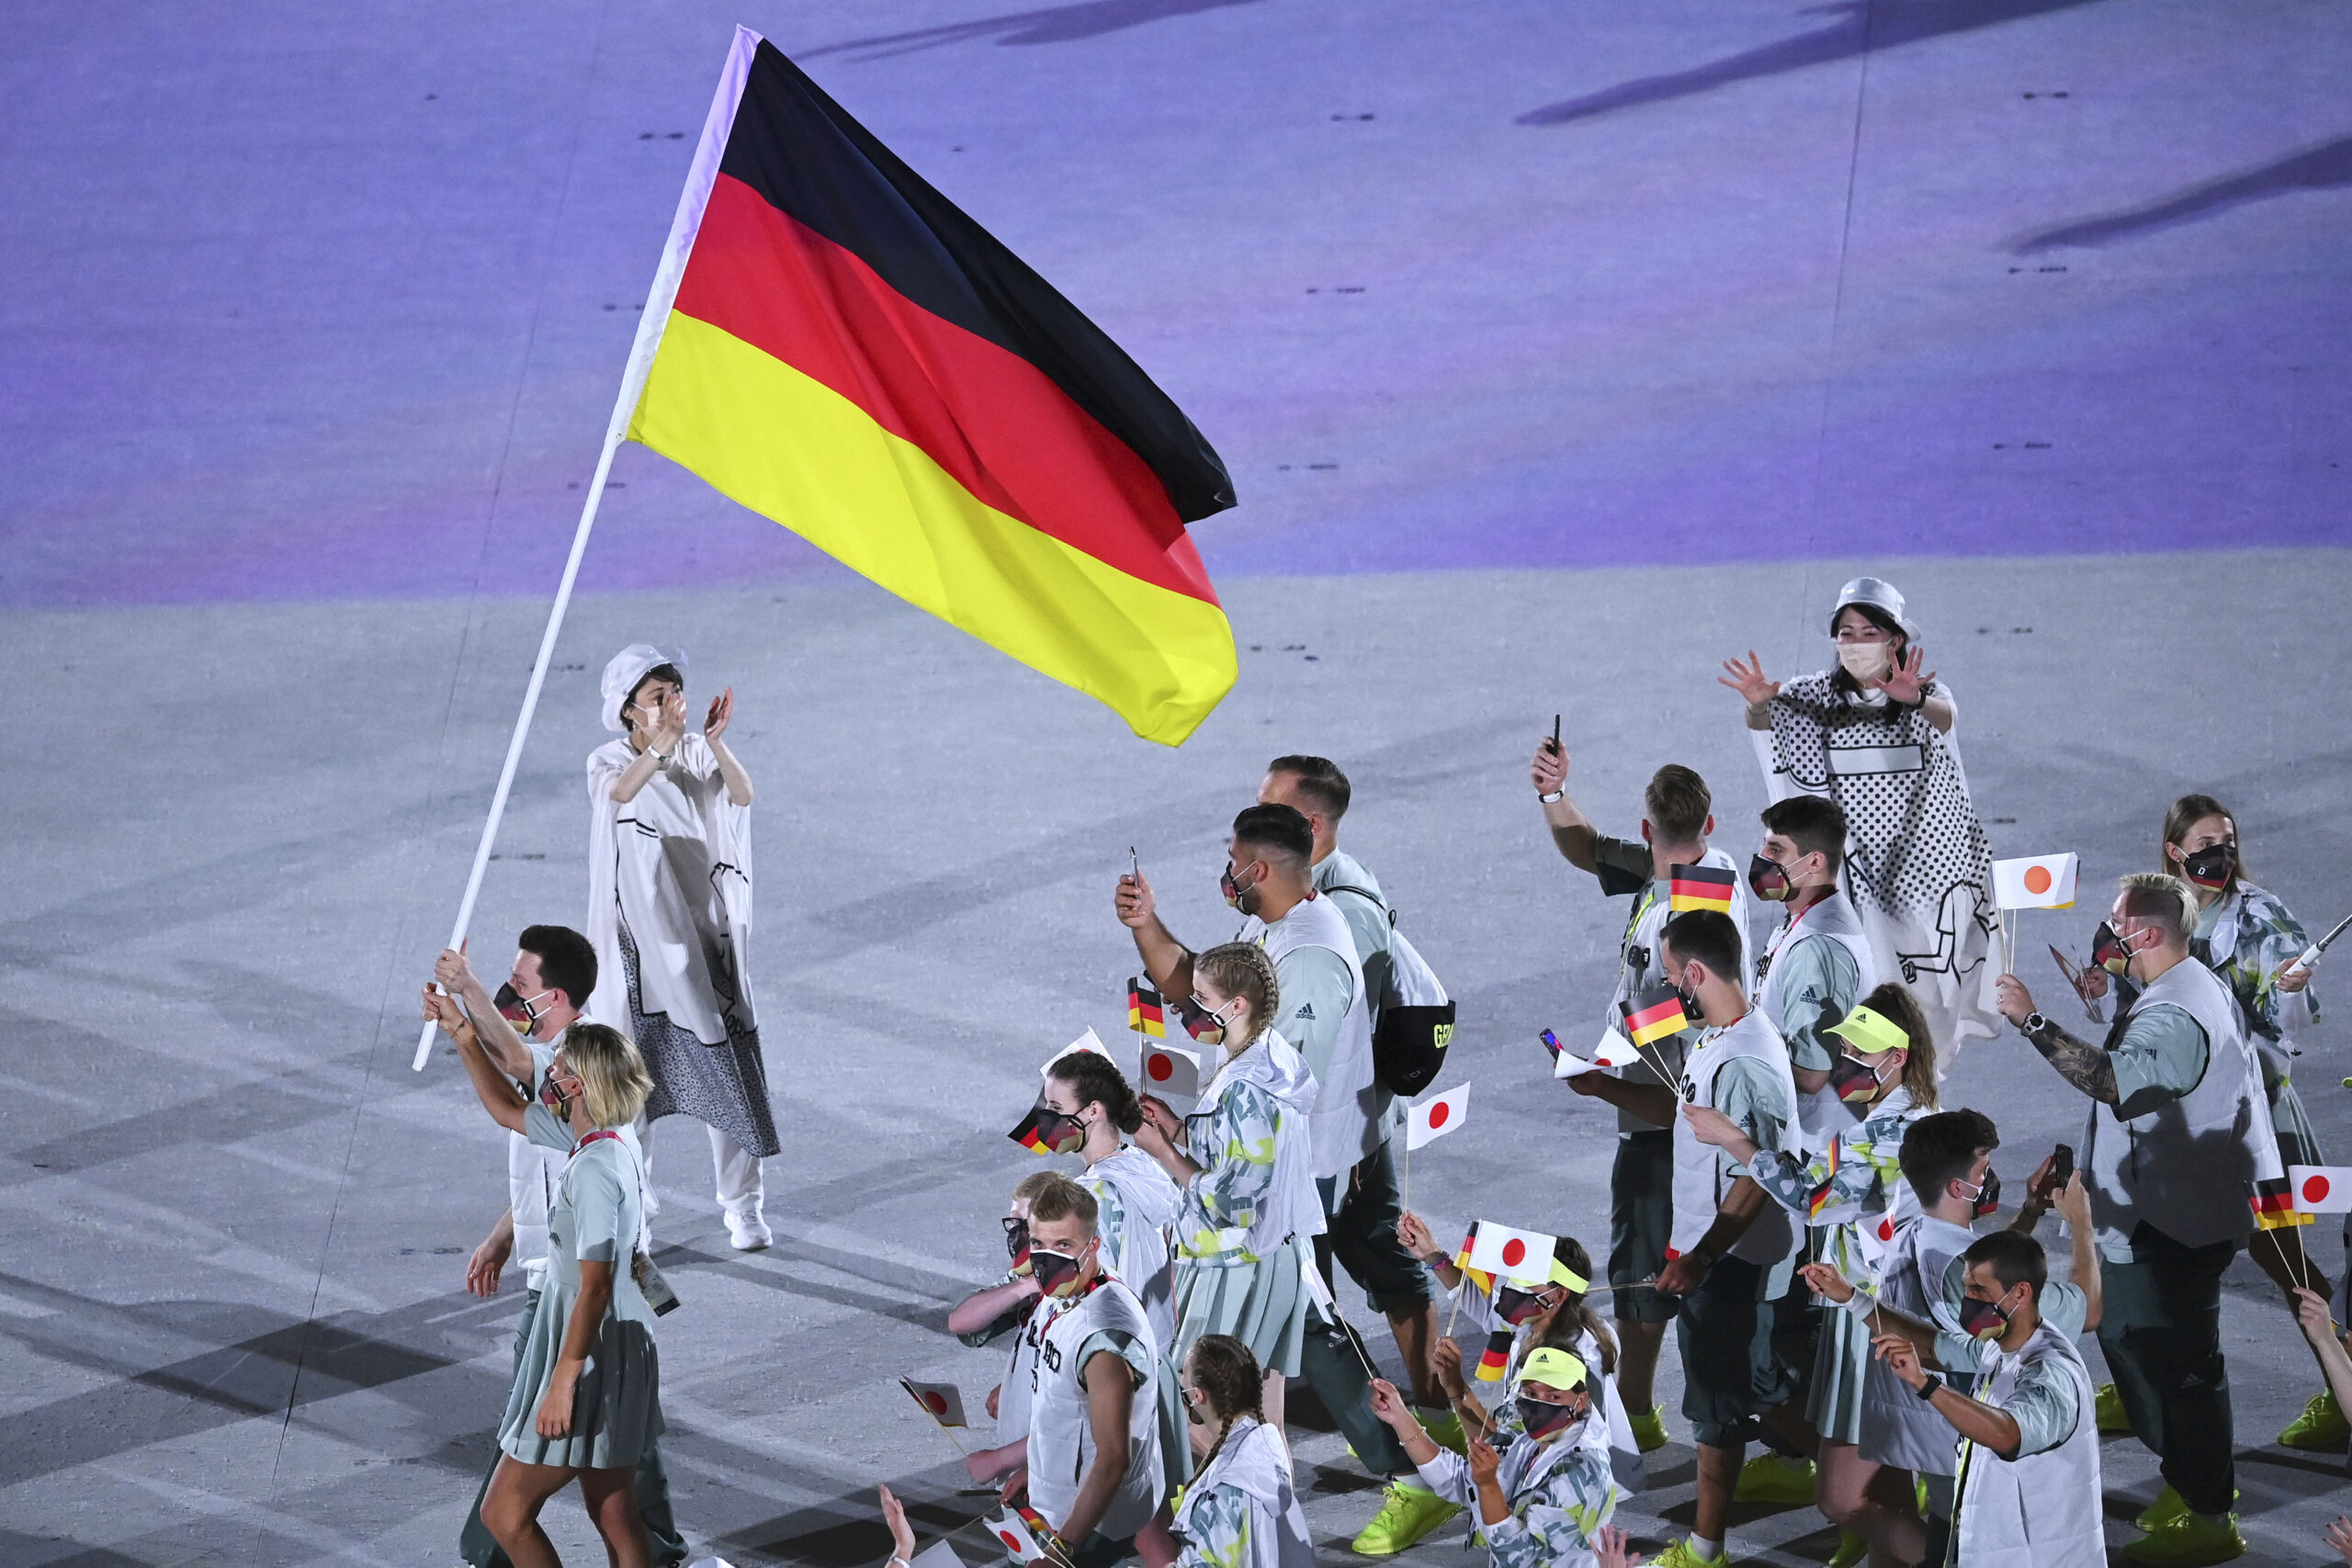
<point>1655,1014</point>
<point>1478,1278</point>
<point>1823,1194</point>
<point>1497,1355</point>
<point>1699,887</point>
<point>1146,1014</point>
<point>2273,1202</point>
<point>1027,1135</point>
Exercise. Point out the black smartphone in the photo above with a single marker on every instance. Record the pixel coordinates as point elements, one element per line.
<point>2062,1163</point>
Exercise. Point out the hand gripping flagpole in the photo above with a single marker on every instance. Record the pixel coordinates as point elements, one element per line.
<point>683,228</point>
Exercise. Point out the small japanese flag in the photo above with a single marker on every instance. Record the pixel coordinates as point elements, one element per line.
<point>2320,1189</point>
<point>1437,1116</point>
<point>2043,882</point>
<point>940,1401</point>
<point>1614,1051</point>
<point>1012,1532</point>
<point>1521,1255</point>
<point>1171,1072</point>
<point>1874,1237</point>
<point>1086,1042</point>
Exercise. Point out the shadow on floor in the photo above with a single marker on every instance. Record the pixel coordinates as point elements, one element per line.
<point>1052,23</point>
<point>1866,26</point>
<point>2327,167</point>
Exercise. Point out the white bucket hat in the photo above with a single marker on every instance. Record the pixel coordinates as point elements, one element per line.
<point>629,668</point>
<point>1879,595</point>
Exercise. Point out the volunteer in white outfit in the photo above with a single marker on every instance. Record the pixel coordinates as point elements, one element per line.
<point>1818,964</point>
<point>2177,1129</point>
<point>2027,1440</point>
<point>670,912</point>
<point>1087,1097</point>
<point>1731,1250</point>
<point>1543,1498</point>
<point>553,966</point>
<point>1875,734</point>
<point>1559,1313</point>
<point>1009,1306</point>
<point>1095,1465</point>
<point>1241,1509</point>
<point>1678,815</point>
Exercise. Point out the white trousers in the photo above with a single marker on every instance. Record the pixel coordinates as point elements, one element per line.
<point>742,1188</point>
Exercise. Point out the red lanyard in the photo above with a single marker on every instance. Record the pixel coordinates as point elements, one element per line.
<point>599,1132</point>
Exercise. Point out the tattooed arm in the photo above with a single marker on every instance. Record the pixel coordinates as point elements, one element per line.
<point>2089,1067</point>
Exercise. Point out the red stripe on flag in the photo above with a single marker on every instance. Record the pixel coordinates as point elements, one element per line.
<point>996,423</point>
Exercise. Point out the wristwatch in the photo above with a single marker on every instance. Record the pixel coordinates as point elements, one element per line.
<point>2034,1024</point>
<point>1928,1390</point>
<point>1553,798</point>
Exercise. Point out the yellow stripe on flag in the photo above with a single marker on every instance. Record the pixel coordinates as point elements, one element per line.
<point>799,454</point>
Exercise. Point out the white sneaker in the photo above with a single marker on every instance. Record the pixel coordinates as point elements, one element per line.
<point>748,1233</point>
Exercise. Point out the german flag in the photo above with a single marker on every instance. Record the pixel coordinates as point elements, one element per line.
<point>1147,1015</point>
<point>1479,1280</point>
<point>2273,1202</point>
<point>1027,1135</point>
<point>1699,887</point>
<point>1655,1014</point>
<point>1497,1355</point>
<point>837,346</point>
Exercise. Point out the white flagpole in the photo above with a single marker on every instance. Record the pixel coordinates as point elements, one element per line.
<point>523,719</point>
<point>683,226</point>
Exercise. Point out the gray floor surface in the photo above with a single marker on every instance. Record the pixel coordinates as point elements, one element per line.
<point>230,1322</point>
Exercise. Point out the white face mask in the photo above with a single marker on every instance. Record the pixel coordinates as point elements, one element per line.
<point>1864,661</point>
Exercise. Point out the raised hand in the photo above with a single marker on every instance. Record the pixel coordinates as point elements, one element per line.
<point>669,724</point>
<point>1549,771</point>
<point>2015,1002</point>
<point>1390,1406</point>
<point>1133,902</point>
<point>1748,681</point>
<point>1904,682</point>
<point>722,711</point>
<point>451,971</point>
<point>902,1535</point>
<point>2339,1538</point>
<point>1445,1360</point>
<point>444,1011</point>
<point>1413,1234</point>
<point>1484,1461</point>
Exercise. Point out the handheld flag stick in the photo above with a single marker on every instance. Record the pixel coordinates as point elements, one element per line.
<point>2311,954</point>
<point>1318,1291</point>
<point>683,225</point>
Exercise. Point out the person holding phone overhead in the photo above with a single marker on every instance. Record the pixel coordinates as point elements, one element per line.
<point>670,912</point>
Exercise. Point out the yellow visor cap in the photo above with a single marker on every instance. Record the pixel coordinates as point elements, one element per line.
<point>1552,1367</point>
<point>1870,1033</point>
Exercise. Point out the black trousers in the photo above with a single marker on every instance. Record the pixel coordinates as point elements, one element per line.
<point>2161,1331</point>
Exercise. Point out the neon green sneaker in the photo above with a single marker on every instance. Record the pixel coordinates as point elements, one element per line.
<point>2187,1541</point>
<point>2169,1506</point>
<point>2320,1428</point>
<point>1407,1513</point>
<point>2109,1404</point>
<point>1679,1555</point>
<point>1444,1429</point>
<point>1649,1428</point>
<point>1769,1478</point>
<point>1851,1549</point>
